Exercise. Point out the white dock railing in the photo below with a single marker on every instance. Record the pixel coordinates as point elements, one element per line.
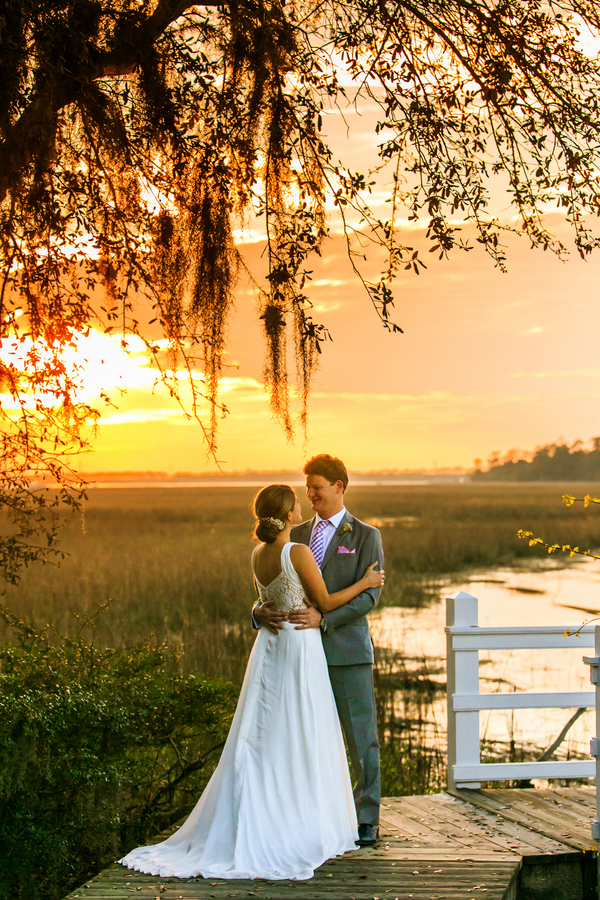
<point>464,640</point>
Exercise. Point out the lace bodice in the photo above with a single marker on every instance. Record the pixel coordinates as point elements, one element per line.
<point>285,590</point>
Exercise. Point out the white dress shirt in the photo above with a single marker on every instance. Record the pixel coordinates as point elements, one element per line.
<point>328,533</point>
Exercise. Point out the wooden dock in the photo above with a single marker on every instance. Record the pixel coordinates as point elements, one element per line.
<point>498,844</point>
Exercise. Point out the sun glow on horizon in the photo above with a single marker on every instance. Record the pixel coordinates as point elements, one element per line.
<point>95,362</point>
<point>105,366</point>
<point>488,361</point>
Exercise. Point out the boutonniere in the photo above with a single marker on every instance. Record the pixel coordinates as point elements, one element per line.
<point>345,529</point>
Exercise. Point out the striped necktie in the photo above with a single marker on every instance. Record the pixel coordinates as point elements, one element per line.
<point>317,541</point>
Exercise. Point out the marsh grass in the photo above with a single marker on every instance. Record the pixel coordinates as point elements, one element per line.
<point>174,562</point>
<point>174,566</point>
<point>412,745</point>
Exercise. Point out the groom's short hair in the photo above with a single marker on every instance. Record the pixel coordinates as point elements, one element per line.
<point>329,467</point>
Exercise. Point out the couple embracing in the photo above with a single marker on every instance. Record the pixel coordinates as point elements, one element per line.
<point>280,802</point>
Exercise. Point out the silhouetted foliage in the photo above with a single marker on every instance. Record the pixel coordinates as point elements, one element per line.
<point>552,462</point>
<point>135,137</point>
<point>99,750</point>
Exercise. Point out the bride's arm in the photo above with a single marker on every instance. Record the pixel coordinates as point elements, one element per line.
<point>312,581</point>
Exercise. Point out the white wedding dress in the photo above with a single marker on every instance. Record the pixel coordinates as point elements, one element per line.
<point>279,803</point>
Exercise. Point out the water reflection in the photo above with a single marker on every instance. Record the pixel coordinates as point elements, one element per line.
<point>412,646</point>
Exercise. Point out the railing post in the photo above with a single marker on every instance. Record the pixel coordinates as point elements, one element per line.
<point>462,678</point>
<point>594,663</point>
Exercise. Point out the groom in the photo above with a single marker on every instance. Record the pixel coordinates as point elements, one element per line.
<point>344,548</point>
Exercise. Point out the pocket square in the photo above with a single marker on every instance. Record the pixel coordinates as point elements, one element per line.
<point>345,550</point>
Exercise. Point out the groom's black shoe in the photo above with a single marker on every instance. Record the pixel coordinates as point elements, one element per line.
<point>367,834</point>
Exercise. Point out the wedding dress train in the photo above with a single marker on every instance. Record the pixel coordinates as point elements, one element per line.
<point>279,803</point>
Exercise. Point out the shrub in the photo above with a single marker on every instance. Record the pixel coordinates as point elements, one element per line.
<point>99,749</point>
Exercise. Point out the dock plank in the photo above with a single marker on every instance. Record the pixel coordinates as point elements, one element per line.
<point>441,882</point>
<point>437,847</point>
<point>481,828</point>
<point>582,809</point>
<point>522,807</point>
<point>457,828</point>
<point>587,793</point>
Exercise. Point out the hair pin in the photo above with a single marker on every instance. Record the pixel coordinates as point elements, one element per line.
<point>271,521</point>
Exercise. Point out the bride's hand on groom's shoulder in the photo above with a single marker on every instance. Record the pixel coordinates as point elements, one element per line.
<point>270,618</point>
<point>373,579</point>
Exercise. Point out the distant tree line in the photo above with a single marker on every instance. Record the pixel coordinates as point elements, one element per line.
<point>552,462</point>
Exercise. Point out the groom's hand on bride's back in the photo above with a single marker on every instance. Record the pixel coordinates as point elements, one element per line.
<point>310,617</point>
<point>268,617</point>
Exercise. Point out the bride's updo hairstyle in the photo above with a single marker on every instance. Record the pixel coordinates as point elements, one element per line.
<point>271,506</point>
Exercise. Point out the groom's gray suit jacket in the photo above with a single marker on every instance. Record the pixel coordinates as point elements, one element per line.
<point>346,637</point>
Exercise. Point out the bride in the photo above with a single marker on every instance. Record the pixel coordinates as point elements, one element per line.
<point>279,803</point>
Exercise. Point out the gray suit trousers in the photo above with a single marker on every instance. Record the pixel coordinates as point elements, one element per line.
<point>355,701</point>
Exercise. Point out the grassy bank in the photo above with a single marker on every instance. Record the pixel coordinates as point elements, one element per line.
<point>99,751</point>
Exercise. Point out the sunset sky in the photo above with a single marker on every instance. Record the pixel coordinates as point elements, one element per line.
<point>488,361</point>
